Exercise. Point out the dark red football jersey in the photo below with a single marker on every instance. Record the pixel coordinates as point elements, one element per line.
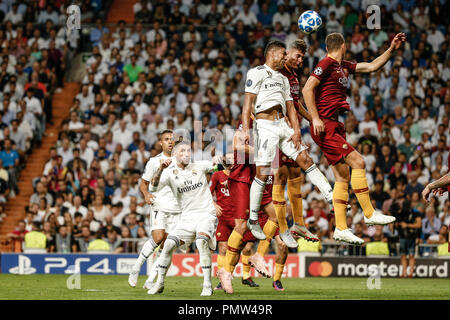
<point>293,82</point>
<point>331,94</point>
<point>242,170</point>
<point>219,186</point>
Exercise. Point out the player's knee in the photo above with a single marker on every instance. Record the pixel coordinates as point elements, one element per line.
<point>357,161</point>
<point>202,242</point>
<point>281,246</point>
<point>158,237</point>
<point>305,160</point>
<point>241,226</point>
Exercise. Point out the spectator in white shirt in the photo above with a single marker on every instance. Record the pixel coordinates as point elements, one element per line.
<point>65,151</point>
<point>318,221</point>
<point>246,16</point>
<point>86,99</point>
<point>86,153</point>
<point>14,16</point>
<point>75,124</point>
<point>282,17</point>
<point>435,38</point>
<point>123,135</point>
<point>78,207</point>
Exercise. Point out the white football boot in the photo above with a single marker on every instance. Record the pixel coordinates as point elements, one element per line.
<point>378,218</point>
<point>207,291</point>
<point>347,236</point>
<point>288,239</point>
<point>156,288</point>
<point>133,278</point>
<point>255,228</point>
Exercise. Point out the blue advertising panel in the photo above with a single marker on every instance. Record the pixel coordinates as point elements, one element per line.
<point>18,263</point>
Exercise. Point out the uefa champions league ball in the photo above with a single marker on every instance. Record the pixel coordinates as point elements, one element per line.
<point>309,21</point>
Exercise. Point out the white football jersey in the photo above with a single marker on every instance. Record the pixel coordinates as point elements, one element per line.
<point>165,200</point>
<point>190,187</point>
<point>270,86</point>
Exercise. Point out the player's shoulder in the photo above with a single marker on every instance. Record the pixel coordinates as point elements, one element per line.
<point>257,70</point>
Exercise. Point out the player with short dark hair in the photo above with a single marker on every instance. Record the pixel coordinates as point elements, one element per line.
<point>325,97</point>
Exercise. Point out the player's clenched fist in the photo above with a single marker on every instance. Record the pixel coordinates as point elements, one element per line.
<point>397,41</point>
<point>165,163</point>
<point>149,198</point>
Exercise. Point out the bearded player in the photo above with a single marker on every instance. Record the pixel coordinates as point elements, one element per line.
<point>224,210</point>
<point>267,94</point>
<point>325,97</point>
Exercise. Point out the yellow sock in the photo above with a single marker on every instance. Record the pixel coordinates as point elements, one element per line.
<point>245,267</point>
<point>232,255</point>
<point>220,261</point>
<point>295,197</point>
<point>340,200</point>
<point>278,271</point>
<point>361,189</point>
<point>270,228</point>
<point>279,203</point>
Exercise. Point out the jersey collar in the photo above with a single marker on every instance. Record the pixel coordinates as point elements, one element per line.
<point>270,69</point>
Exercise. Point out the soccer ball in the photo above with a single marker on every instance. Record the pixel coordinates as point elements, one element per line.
<point>309,21</point>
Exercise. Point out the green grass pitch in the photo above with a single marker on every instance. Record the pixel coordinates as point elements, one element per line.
<point>98,287</point>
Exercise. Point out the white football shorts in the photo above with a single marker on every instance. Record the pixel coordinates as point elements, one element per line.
<point>270,134</point>
<point>190,225</point>
<point>164,220</point>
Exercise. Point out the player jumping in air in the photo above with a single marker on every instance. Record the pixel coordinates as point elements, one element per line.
<point>268,95</point>
<point>165,210</point>
<point>325,97</point>
<point>198,220</point>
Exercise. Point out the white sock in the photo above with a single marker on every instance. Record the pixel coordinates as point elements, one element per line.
<point>205,259</point>
<point>170,245</point>
<point>154,271</point>
<point>319,180</point>
<point>146,251</point>
<point>256,193</point>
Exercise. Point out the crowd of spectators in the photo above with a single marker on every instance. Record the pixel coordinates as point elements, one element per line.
<point>186,61</point>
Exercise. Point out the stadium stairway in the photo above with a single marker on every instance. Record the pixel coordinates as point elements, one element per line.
<point>121,10</point>
<point>14,209</point>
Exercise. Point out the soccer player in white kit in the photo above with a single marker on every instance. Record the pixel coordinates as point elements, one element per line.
<point>165,211</point>
<point>198,221</point>
<point>268,96</point>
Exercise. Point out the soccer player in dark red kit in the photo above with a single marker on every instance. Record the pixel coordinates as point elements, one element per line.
<point>239,181</point>
<point>325,97</point>
<point>224,209</point>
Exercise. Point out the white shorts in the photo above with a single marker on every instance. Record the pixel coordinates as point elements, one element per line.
<point>270,134</point>
<point>161,220</point>
<point>189,226</point>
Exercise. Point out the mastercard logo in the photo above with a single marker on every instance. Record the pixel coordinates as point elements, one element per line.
<point>323,269</point>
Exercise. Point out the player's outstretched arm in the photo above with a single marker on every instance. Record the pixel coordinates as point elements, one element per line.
<point>379,62</point>
<point>436,185</point>
<point>310,101</point>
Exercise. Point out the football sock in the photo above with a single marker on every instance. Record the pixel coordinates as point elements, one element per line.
<point>202,243</point>
<point>164,260</point>
<point>232,255</point>
<point>340,200</point>
<point>256,193</point>
<point>318,179</point>
<point>279,204</point>
<point>270,228</point>
<point>154,270</point>
<point>295,198</point>
<point>220,261</point>
<point>361,189</point>
<point>245,267</point>
<point>278,271</point>
<point>147,249</point>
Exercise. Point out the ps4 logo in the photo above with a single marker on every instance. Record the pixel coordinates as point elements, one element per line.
<point>23,267</point>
